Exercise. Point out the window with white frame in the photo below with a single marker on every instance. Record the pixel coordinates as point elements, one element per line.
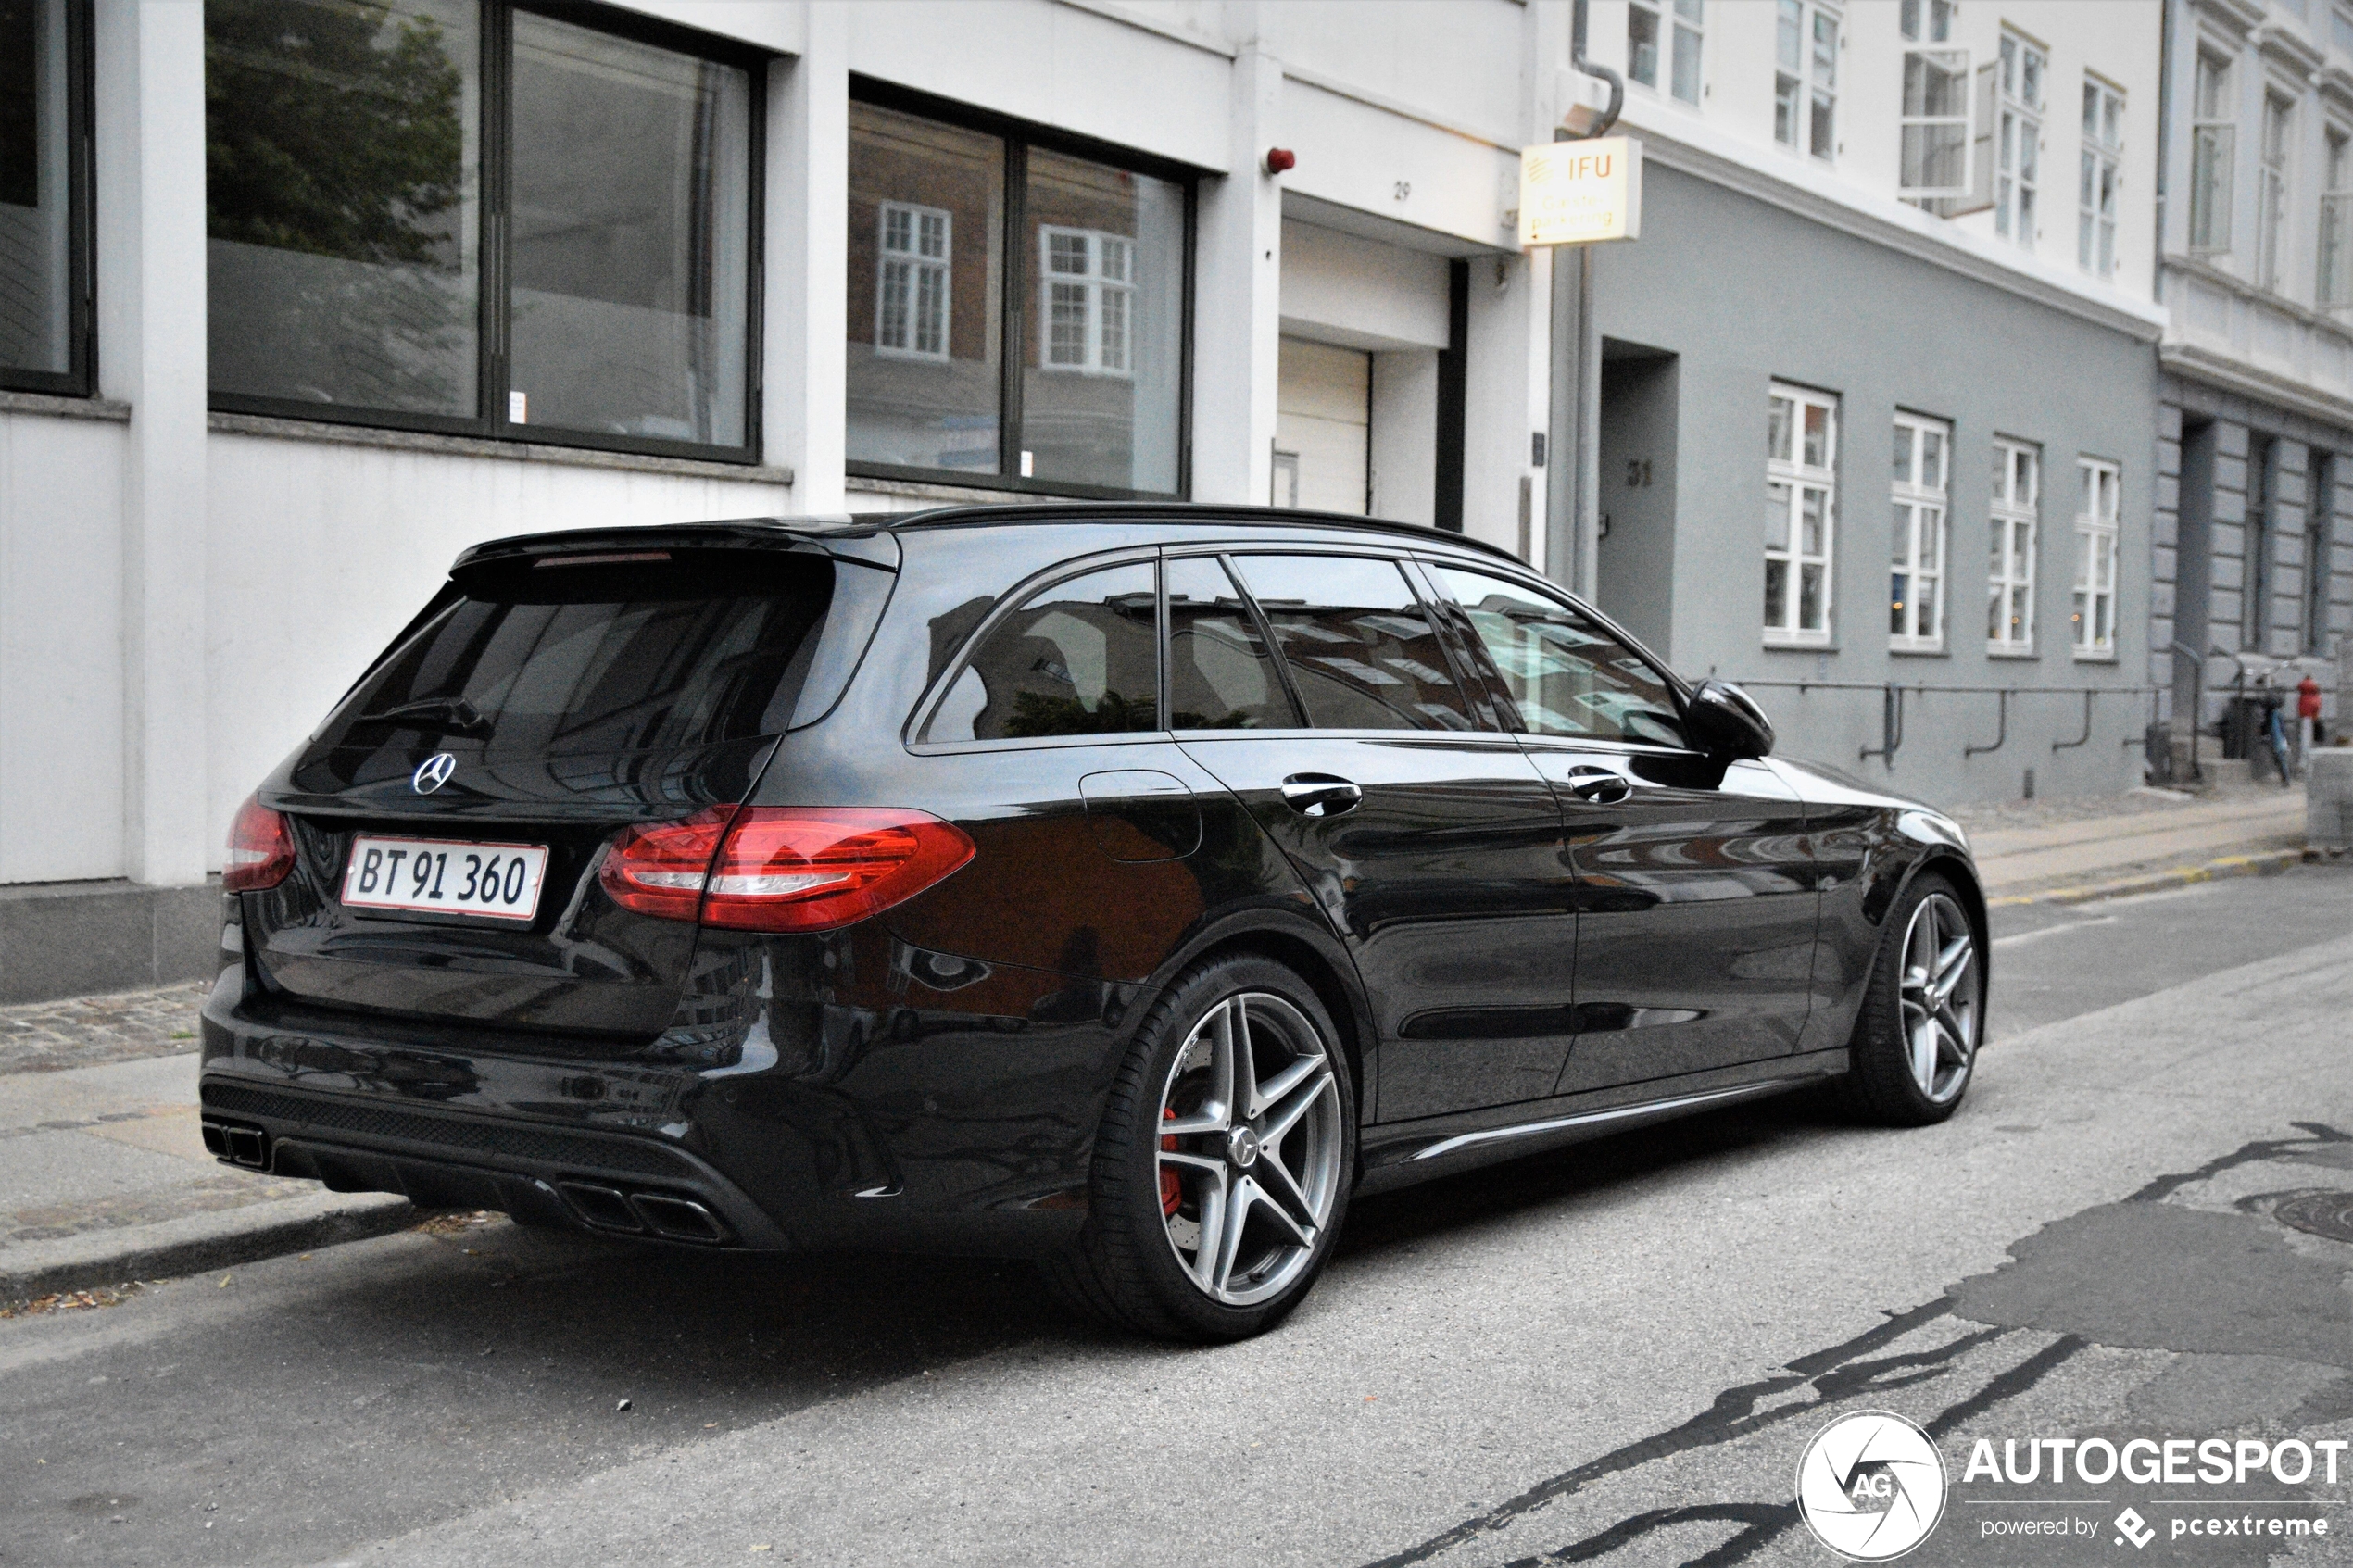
<point>2098,514</point>
<point>2270,221</point>
<point>1916,586</point>
<point>2009,578</point>
<point>1801,514</point>
<point>2335,280</point>
<point>1933,130</point>
<point>2102,175</point>
<point>1090,295</point>
<point>2213,148</point>
<point>912,293</point>
<point>1662,38</point>
<point>1805,78</point>
<point>2018,139</point>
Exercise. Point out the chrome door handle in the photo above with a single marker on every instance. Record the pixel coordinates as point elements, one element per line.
<point>1320,795</point>
<point>1600,786</point>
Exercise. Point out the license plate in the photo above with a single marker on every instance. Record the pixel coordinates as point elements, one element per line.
<point>438,875</point>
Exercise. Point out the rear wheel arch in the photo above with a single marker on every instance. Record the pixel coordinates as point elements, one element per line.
<point>1314,956</point>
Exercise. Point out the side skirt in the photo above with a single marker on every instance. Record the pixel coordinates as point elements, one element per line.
<point>1406,1153</point>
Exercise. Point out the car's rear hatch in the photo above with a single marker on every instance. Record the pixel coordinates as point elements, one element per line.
<point>558,690</point>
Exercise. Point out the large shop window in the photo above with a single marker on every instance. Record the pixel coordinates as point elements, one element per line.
<point>1016,311</point>
<point>44,207</point>
<point>462,216</point>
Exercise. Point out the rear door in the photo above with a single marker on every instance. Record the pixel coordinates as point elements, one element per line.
<point>1428,838</point>
<point>1693,880</point>
<point>451,816</point>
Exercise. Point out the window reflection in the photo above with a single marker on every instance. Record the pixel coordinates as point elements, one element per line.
<point>341,146</point>
<point>1079,658</point>
<point>37,185</point>
<point>926,212</point>
<point>1567,675</point>
<point>1360,649</point>
<point>1099,389</point>
<point>632,226</point>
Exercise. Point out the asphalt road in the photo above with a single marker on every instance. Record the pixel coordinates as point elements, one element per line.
<point>1615,1353</point>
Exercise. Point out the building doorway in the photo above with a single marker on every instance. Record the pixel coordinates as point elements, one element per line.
<point>1323,428</point>
<point>1634,580</point>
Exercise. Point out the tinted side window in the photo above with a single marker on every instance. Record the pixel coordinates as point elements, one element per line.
<point>1220,675</point>
<point>1080,658</point>
<point>1362,650</point>
<point>1569,677</point>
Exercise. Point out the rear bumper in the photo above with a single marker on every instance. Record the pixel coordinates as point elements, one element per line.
<point>613,1185</point>
<point>905,1129</point>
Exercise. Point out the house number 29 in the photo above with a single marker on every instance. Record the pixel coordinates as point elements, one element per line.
<point>1402,189</point>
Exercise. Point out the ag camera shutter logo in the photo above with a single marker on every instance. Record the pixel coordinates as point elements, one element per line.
<point>1872,1486</point>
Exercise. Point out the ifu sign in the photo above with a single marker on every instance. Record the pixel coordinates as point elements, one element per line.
<point>1576,192</point>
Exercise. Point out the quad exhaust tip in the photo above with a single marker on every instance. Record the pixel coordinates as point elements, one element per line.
<point>665,1214</point>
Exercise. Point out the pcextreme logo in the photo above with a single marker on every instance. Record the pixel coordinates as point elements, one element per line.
<point>1871,1485</point>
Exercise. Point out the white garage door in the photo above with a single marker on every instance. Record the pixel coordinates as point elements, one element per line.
<point>1323,428</point>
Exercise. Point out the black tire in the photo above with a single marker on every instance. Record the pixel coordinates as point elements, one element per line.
<point>1127,1267</point>
<point>1885,1086</point>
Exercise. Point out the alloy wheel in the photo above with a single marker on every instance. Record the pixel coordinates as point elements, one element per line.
<point>1249,1145</point>
<point>1939,996</point>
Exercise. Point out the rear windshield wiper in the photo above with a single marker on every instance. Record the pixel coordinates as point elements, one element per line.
<point>455,713</point>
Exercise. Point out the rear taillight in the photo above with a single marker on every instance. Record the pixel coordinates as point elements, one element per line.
<point>662,870</point>
<point>261,850</point>
<point>786,868</point>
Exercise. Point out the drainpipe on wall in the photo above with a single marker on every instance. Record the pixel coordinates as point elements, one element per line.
<point>1574,487</point>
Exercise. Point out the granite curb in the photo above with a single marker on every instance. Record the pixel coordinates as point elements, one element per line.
<point>198,1243</point>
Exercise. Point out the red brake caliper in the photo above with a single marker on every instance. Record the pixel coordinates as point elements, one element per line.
<point>1171,1194</point>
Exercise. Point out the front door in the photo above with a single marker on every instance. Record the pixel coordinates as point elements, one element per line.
<point>1694,882</point>
<point>1430,841</point>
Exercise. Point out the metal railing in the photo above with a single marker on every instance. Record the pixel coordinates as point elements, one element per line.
<point>1894,693</point>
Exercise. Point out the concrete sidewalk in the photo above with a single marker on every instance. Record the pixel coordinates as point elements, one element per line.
<point>102,1176</point>
<point>2151,833</point>
<point>104,1179</point>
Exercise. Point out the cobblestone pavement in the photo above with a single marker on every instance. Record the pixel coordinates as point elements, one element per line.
<point>90,1031</point>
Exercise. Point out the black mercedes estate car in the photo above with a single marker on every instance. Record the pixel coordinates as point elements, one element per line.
<point>1122,887</point>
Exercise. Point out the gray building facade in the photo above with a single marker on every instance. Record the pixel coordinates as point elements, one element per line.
<point>2251,557</point>
<point>1987,440</point>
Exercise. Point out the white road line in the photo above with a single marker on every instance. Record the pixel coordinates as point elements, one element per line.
<point>2014,940</point>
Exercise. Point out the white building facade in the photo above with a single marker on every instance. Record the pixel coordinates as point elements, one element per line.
<point>300,297</point>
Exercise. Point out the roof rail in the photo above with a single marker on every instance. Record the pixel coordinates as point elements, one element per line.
<point>985,513</point>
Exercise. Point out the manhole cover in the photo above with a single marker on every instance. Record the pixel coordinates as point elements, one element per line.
<point>2327,1212</point>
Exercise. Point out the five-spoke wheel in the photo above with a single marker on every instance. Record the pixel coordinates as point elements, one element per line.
<point>1249,1147</point>
<point>1939,996</point>
<point>1916,1039</point>
<point>1222,1171</point>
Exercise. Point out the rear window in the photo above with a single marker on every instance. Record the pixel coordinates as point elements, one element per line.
<point>645,651</point>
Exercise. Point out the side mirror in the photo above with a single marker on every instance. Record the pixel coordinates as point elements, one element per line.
<point>1725,721</point>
